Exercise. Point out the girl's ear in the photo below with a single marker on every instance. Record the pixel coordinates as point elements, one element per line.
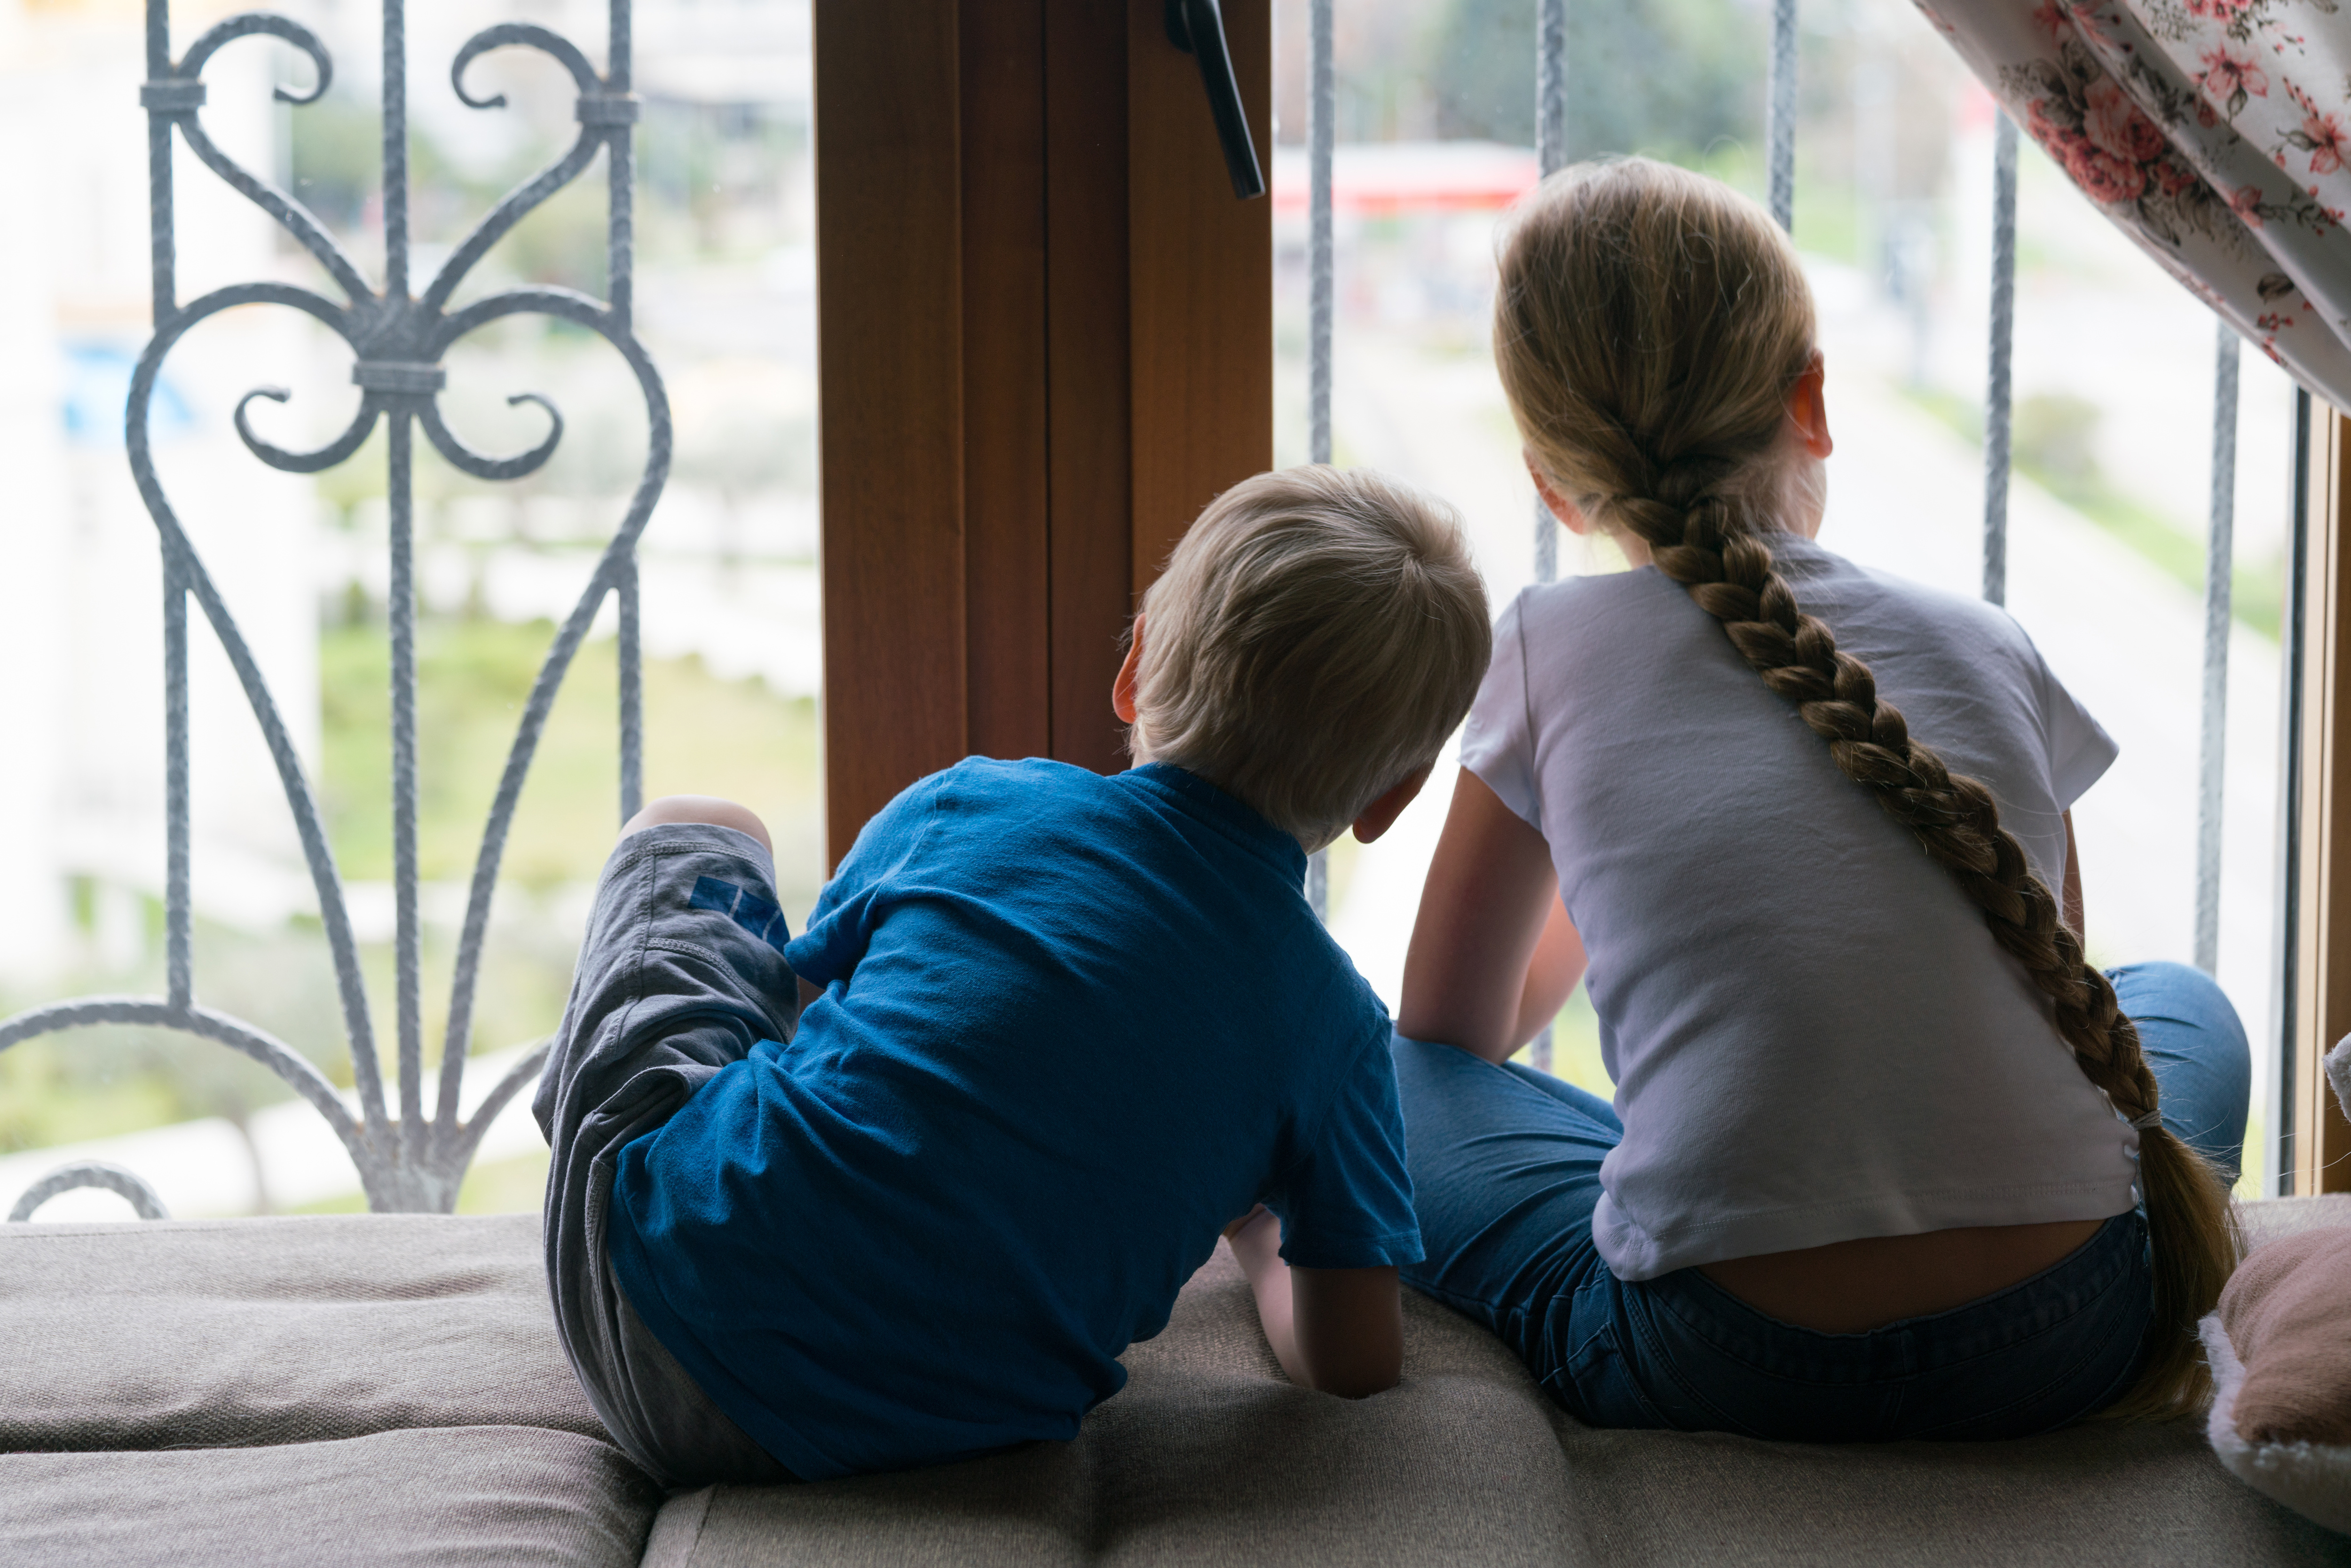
<point>1559,505</point>
<point>1808,411</point>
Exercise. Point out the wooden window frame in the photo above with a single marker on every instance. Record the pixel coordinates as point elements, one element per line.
<point>2315,1137</point>
<point>1045,343</point>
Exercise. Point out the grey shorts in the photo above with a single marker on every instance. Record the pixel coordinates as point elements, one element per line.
<point>676,981</point>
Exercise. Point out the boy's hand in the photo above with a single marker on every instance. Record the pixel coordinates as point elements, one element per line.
<point>700,808</point>
<point>1336,1331</point>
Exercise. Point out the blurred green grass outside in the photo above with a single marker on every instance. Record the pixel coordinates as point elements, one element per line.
<point>702,735</point>
<point>2050,444</point>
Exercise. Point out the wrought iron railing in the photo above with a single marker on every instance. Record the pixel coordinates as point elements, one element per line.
<point>412,1160</point>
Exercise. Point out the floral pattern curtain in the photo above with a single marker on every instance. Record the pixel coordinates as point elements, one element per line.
<point>2216,133</point>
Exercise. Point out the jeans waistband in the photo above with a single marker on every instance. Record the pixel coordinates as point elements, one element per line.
<point>2114,1256</point>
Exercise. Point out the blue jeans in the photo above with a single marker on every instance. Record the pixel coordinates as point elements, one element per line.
<point>1506,1170</point>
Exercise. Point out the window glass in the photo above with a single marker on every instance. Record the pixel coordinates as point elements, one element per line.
<point>724,280</point>
<point>2113,397</point>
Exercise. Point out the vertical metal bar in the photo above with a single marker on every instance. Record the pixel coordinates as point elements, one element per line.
<point>2290,693</point>
<point>1779,115</point>
<point>179,966</point>
<point>406,938</point>
<point>2220,563</point>
<point>2003,337</point>
<point>407,933</point>
<point>395,153</point>
<point>619,240</point>
<point>1551,156</point>
<point>162,262</point>
<point>1551,86</point>
<point>633,694</point>
<point>1321,136</point>
<point>1321,140</point>
<point>619,153</point>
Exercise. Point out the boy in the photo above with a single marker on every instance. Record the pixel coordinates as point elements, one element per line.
<point>902,1189</point>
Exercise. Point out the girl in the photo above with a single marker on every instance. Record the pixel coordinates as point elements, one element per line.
<point>1885,1159</point>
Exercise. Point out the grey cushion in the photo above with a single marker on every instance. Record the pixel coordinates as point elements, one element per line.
<point>292,1330</point>
<point>2096,1495</point>
<point>1208,1458</point>
<point>1205,1457</point>
<point>208,1334</point>
<point>507,1496</point>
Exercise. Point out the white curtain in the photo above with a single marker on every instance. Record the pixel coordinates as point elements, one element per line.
<point>2217,133</point>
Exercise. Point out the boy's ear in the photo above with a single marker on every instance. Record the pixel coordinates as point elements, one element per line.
<point>1380,816</point>
<point>1121,690</point>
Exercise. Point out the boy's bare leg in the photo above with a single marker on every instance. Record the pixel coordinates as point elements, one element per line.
<point>1336,1331</point>
<point>711,808</point>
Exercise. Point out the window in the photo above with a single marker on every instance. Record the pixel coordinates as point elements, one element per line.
<point>2113,410</point>
<point>727,579</point>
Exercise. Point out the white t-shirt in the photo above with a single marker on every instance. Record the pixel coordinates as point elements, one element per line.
<point>1813,1034</point>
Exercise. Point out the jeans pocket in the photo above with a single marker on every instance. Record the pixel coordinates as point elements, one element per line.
<point>1597,1385</point>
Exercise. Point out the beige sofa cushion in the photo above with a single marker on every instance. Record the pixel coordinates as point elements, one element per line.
<point>1206,1457</point>
<point>211,1333</point>
<point>316,1332</point>
<point>2099,1495</point>
<point>476,1496</point>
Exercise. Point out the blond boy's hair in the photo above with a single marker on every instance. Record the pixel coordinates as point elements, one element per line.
<point>1315,637</point>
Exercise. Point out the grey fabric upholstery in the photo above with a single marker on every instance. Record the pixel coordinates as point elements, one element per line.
<point>2095,1496</point>
<point>277,1347</point>
<point>169,1334</point>
<point>476,1496</point>
<point>1208,1458</point>
<point>1205,1457</point>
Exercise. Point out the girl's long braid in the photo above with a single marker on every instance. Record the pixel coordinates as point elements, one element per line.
<point>1650,327</point>
<point>1704,539</point>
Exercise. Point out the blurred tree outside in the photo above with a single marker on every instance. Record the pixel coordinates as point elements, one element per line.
<point>1670,78</point>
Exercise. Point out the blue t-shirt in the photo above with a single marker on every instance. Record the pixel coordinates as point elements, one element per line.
<point>1071,1026</point>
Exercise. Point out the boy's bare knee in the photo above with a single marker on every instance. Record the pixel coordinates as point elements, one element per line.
<point>709,808</point>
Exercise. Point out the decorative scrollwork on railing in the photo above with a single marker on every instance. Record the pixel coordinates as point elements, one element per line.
<point>413,1160</point>
<point>124,1184</point>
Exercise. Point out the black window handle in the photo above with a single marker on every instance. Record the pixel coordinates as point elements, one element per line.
<point>1197,27</point>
